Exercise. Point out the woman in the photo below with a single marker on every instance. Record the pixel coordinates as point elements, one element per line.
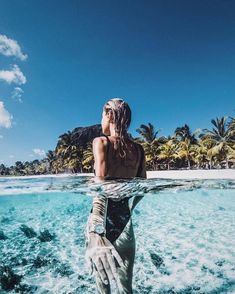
<point>111,242</point>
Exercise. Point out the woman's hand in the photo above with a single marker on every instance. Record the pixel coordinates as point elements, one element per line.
<point>100,254</point>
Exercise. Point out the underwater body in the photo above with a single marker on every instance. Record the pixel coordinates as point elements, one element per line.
<point>184,230</point>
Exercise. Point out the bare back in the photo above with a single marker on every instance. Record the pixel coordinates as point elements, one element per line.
<point>122,167</point>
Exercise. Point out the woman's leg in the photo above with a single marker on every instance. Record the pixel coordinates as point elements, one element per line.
<point>125,245</point>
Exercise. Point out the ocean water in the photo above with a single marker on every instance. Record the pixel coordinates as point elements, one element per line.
<point>184,229</point>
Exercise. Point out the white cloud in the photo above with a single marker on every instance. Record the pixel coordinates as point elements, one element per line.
<point>11,156</point>
<point>39,152</point>
<point>10,47</point>
<point>14,75</point>
<point>5,117</point>
<point>1,136</point>
<point>17,94</point>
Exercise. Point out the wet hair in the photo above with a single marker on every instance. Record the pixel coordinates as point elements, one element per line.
<point>121,120</point>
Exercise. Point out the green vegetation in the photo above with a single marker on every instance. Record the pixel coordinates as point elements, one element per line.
<point>203,149</point>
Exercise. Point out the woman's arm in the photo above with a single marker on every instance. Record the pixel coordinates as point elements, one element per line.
<point>99,152</point>
<point>99,202</point>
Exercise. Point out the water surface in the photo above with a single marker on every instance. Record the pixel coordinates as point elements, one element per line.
<point>184,233</point>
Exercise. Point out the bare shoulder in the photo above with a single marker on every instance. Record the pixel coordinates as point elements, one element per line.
<point>99,142</point>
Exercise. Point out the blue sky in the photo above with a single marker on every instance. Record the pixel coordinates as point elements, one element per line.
<point>172,61</point>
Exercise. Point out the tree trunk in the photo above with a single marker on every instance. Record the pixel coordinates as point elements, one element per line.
<point>227,166</point>
<point>189,166</point>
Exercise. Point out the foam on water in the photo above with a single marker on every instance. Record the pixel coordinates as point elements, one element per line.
<point>184,234</point>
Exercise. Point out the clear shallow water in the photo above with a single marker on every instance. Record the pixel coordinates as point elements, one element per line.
<point>185,231</point>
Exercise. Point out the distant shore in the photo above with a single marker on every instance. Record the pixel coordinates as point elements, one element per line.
<point>161,174</point>
<point>193,174</point>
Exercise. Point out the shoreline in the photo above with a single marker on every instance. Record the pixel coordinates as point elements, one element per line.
<point>162,174</point>
<point>228,174</point>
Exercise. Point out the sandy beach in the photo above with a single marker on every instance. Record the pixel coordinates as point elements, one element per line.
<point>163,174</point>
<point>193,174</point>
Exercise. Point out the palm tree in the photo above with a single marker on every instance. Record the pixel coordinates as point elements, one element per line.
<point>51,158</point>
<point>88,158</point>
<point>57,165</point>
<point>182,133</point>
<point>3,170</point>
<point>200,156</point>
<point>207,146</point>
<point>74,159</point>
<point>43,166</point>
<point>151,151</point>
<point>35,164</point>
<point>220,138</point>
<point>168,152</point>
<point>29,168</point>
<point>65,144</point>
<point>147,132</point>
<point>231,128</point>
<point>70,154</point>
<point>186,150</point>
<point>231,155</point>
<point>19,168</point>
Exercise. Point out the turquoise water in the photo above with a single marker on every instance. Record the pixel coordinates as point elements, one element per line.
<point>185,231</point>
